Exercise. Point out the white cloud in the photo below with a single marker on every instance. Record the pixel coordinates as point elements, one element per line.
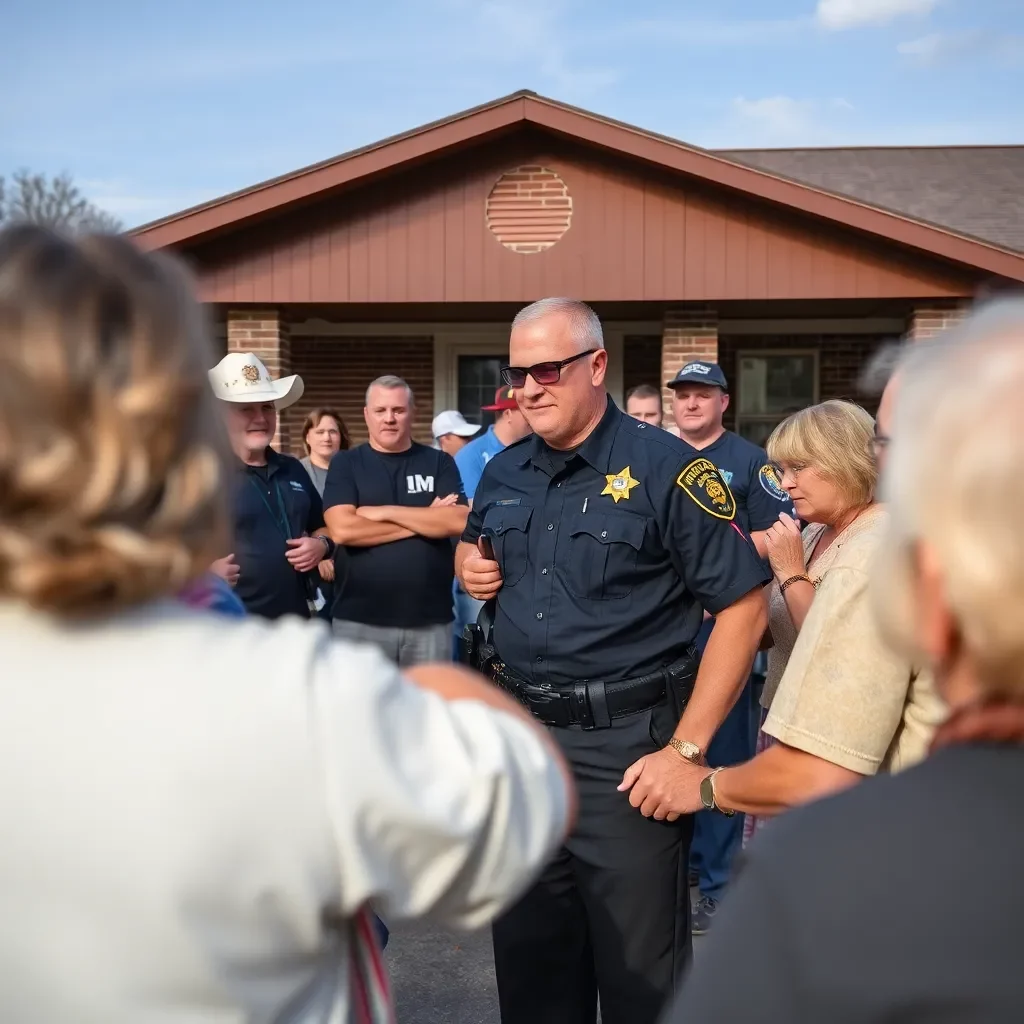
<point>941,48</point>
<point>528,35</point>
<point>776,115</point>
<point>842,14</point>
<point>785,121</point>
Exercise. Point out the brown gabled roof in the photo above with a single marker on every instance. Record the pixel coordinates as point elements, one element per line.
<point>527,108</point>
<point>977,191</point>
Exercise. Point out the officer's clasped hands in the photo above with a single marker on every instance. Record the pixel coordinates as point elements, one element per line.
<point>664,785</point>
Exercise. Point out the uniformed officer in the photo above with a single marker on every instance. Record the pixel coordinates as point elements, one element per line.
<point>700,397</point>
<point>609,536</point>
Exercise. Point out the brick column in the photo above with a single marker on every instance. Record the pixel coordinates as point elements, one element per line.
<point>262,332</point>
<point>927,321</point>
<point>686,334</point>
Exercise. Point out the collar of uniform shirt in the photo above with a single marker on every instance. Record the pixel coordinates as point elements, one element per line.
<point>274,462</point>
<point>596,449</point>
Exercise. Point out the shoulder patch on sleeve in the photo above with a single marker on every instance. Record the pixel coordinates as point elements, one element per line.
<point>772,482</point>
<point>705,485</point>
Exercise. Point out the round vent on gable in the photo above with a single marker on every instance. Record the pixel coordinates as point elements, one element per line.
<point>529,209</point>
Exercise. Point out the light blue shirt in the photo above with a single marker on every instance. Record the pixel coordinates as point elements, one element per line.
<point>472,458</point>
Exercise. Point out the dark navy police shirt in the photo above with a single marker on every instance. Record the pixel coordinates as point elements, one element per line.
<point>273,502</point>
<point>609,554</point>
<point>754,480</point>
<point>407,583</point>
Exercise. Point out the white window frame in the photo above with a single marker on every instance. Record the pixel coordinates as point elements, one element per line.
<point>753,353</point>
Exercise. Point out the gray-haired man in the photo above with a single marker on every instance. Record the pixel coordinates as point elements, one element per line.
<point>395,505</point>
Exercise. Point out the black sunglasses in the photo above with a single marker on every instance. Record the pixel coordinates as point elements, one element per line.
<point>542,373</point>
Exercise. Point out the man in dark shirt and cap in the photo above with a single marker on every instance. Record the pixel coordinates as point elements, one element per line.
<point>609,539</point>
<point>278,517</point>
<point>700,397</point>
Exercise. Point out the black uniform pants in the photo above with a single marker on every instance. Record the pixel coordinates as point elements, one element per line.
<point>611,914</point>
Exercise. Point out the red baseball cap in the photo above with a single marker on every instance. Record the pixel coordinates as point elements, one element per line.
<point>504,398</point>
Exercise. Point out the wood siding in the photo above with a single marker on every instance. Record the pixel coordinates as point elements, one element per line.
<point>636,235</point>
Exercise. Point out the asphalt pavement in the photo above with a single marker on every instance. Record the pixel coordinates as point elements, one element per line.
<point>442,977</point>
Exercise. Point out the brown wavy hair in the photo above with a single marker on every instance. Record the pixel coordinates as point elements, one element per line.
<point>313,420</point>
<point>112,455</point>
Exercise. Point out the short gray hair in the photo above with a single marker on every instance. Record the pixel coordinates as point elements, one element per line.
<point>880,368</point>
<point>954,479</point>
<point>583,321</point>
<point>389,381</point>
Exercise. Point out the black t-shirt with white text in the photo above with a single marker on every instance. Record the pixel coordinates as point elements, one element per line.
<point>406,583</point>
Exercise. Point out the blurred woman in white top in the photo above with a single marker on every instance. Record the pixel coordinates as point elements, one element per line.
<point>185,796</point>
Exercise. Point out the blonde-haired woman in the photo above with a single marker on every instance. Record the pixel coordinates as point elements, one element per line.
<point>848,910</point>
<point>844,705</point>
<point>185,797</point>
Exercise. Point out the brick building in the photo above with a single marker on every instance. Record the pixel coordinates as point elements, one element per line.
<point>412,255</point>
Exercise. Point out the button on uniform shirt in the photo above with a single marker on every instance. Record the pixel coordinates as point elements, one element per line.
<point>272,503</point>
<point>754,480</point>
<point>608,553</point>
<point>407,583</point>
<point>473,457</point>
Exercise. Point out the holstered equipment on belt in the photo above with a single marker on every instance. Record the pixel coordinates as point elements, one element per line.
<point>593,703</point>
<point>476,648</point>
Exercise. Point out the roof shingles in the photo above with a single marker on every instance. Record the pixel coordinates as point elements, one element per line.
<point>974,190</point>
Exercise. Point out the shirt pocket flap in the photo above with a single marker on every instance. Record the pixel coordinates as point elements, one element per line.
<point>607,529</point>
<point>510,517</point>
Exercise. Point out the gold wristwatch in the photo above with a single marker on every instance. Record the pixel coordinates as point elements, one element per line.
<point>707,794</point>
<point>687,750</point>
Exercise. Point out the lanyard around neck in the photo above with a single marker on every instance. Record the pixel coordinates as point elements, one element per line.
<point>280,521</point>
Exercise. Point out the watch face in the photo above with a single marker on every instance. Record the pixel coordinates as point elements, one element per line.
<point>690,750</point>
<point>707,796</point>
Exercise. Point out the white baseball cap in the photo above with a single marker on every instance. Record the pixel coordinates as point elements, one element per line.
<point>241,377</point>
<point>451,421</point>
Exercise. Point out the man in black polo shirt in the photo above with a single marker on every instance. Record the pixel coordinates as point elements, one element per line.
<point>279,533</point>
<point>610,537</point>
<point>699,401</point>
<point>395,505</point>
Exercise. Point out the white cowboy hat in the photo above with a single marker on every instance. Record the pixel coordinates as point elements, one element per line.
<point>241,377</point>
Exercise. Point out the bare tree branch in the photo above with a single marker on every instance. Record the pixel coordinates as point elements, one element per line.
<point>53,202</point>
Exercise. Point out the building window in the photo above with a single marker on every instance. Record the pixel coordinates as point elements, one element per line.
<point>479,377</point>
<point>772,385</point>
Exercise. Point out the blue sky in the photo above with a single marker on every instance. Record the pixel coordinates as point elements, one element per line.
<point>154,107</point>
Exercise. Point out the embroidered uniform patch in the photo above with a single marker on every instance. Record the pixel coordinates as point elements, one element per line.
<point>772,482</point>
<point>704,484</point>
<point>619,485</point>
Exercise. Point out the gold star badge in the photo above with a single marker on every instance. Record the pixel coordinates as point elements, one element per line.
<point>620,484</point>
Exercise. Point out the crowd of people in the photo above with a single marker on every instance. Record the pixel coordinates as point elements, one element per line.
<point>237,744</point>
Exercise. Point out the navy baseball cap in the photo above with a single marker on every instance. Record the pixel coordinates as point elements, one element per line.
<point>699,372</point>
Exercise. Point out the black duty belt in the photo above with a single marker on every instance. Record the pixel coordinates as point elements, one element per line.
<point>592,704</point>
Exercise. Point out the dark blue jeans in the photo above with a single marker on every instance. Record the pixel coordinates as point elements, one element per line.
<point>716,838</point>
